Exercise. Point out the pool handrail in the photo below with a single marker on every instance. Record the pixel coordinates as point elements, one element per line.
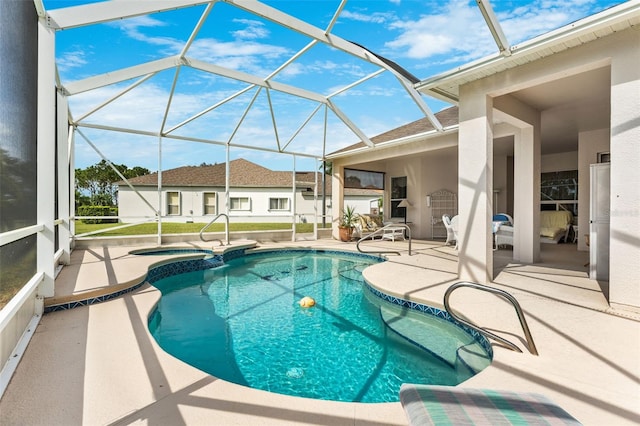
<point>381,232</point>
<point>226,229</point>
<point>523,322</point>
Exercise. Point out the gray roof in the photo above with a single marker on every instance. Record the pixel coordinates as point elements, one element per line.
<point>448,117</point>
<point>243,173</point>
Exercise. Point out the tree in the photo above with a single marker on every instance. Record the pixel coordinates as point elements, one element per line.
<point>98,182</point>
<point>17,192</point>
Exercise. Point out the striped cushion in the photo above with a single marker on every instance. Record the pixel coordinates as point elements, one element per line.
<point>444,405</point>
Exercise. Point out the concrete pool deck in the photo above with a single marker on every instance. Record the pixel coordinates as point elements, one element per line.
<point>98,364</point>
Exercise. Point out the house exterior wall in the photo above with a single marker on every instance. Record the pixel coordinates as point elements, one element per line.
<point>439,170</point>
<point>502,182</point>
<point>620,52</point>
<point>133,209</point>
<point>191,207</point>
<point>589,145</point>
<point>482,98</point>
<point>624,251</point>
<point>475,183</point>
<point>559,162</point>
<point>425,174</point>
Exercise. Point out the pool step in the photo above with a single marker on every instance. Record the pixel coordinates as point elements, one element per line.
<point>437,336</point>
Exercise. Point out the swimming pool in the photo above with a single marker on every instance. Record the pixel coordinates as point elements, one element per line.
<point>242,322</point>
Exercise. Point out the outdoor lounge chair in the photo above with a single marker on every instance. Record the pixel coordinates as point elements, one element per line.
<point>502,229</point>
<point>554,227</point>
<point>367,225</point>
<point>451,405</point>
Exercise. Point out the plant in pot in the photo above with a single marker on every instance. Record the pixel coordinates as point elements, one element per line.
<point>348,219</point>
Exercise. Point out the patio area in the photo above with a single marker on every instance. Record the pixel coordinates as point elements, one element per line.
<point>98,364</point>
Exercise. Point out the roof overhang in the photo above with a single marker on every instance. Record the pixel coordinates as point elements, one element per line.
<point>419,137</point>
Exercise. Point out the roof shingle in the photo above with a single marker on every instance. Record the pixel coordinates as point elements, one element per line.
<point>243,173</point>
<point>447,117</point>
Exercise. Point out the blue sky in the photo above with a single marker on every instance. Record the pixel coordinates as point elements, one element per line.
<point>425,37</point>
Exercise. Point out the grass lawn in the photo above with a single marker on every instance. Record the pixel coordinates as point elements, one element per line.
<point>15,275</point>
<point>188,228</point>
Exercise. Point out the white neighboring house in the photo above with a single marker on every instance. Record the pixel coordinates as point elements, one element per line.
<point>256,194</point>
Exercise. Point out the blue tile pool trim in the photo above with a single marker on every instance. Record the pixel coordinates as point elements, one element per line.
<point>154,274</point>
<point>329,252</point>
<point>167,251</point>
<point>430,310</point>
<point>91,300</point>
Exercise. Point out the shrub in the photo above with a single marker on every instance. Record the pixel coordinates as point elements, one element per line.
<point>98,211</point>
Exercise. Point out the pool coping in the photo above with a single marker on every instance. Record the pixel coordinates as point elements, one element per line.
<point>116,374</point>
<point>103,294</point>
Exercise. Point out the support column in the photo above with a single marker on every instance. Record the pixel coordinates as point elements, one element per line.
<point>46,156</point>
<point>293,199</point>
<point>624,249</point>
<point>337,197</point>
<point>475,186</point>
<point>65,194</point>
<point>526,200</point>
<point>526,186</point>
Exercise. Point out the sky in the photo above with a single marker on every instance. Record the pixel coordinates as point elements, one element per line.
<point>424,37</point>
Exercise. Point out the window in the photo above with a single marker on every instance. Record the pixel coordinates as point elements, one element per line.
<point>278,204</point>
<point>239,203</point>
<point>354,178</point>
<point>173,203</point>
<point>398,193</point>
<point>209,200</point>
<point>559,191</point>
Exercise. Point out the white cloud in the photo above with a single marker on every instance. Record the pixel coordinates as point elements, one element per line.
<point>457,27</point>
<point>458,30</point>
<point>71,59</point>
<point>375,17</point>
<point>253,30</point>
<point>539,17</point>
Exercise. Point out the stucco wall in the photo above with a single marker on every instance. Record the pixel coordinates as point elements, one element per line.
<point>559,162</point>
<point>589,145</point>
<point>132,207</point>
<point>625,171</point>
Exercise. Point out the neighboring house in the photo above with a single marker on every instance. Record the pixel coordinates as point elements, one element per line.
<point>256,194</point>
<point>528,122</point>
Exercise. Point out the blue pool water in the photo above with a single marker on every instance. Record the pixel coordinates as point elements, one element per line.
<point>242,322</point>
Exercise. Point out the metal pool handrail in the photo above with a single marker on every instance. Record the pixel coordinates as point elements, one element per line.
<point>380,232</point>
<point>523,322</point>
<point>226,229</point>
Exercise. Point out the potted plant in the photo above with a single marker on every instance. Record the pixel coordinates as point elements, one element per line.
<point>348,219</point>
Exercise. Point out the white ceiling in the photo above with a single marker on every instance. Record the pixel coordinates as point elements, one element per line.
<point>569,106</point>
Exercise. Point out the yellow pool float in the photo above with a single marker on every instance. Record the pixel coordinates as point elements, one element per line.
<point>307,302</point>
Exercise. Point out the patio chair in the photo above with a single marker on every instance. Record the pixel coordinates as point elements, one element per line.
<point>451,225</point>
<point>502,230</point>
<point>504,236</point>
